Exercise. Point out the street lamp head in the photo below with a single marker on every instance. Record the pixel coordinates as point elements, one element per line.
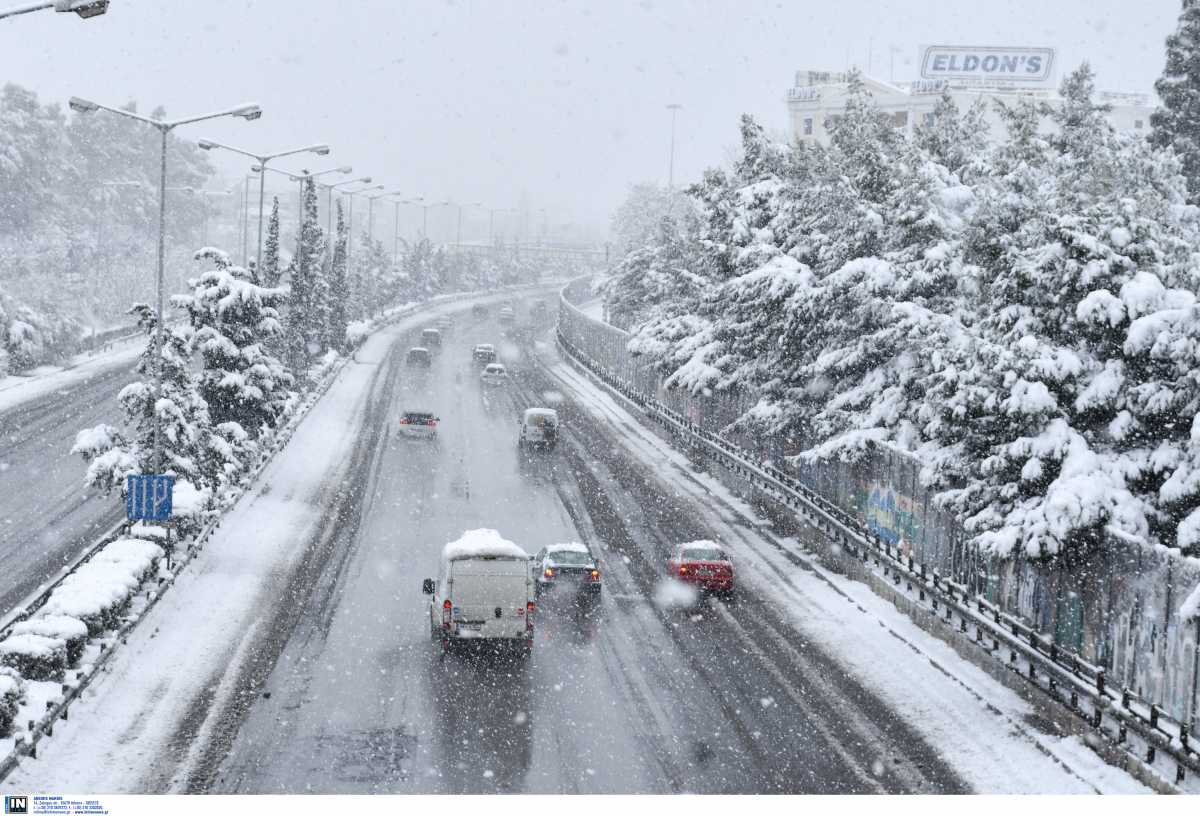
<point>247,112</point>
<point>82,105</point>
<point>365,179</point>
<point>86,9</point>
<point>345,168</point>
<point>205,144</point>
<point>320,150</point>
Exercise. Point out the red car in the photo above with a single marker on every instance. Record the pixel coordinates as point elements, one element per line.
<point>704,565</point>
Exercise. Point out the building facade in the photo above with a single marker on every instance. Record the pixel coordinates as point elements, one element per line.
<point>818,98</point>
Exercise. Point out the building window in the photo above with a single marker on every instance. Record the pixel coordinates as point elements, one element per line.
<point>808,122</point>
<point>1137,124</point>
<point>929,118</point>
<point>900,119</point>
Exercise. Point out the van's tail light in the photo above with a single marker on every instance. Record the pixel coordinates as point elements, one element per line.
<point>549,573</point>
<point>446,610</point>
<point>682,569</point>
<point>403,420</point>
<point>594,575</point>
<point>529,618</point>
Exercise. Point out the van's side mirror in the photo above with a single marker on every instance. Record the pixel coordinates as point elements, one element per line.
<point>427,586</point>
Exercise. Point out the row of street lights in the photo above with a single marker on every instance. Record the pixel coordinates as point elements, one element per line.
<point>250,112</point>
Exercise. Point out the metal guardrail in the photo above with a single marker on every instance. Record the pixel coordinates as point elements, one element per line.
<point>1126,720</point>
<point>60,708</point>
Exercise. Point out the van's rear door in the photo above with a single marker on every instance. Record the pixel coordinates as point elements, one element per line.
<point>489,597</point>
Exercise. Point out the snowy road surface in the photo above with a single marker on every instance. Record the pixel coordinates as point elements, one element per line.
<point>295,656</point>
<point>47,516</point>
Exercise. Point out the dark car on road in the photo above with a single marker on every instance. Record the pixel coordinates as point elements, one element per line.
<point>484,353</point>
<point>419,357</point>
<point>567,568</point>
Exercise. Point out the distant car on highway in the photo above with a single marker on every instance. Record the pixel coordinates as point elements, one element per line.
<point>567,567</point>
<point>419,424</point>
<point>704,565</point>
<point>483,595</point>
<point>538,428</point>
<point>494,374</point>
<point>431,338</point>
<point>507,314</point>
<point>419,356</point>
<point>484,353</point>
<point>479,310</point>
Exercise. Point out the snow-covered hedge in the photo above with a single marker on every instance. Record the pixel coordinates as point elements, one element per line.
<point>98,593</point>
<point>12,695</point>
<point>35,657</point>
<point>71,631</point>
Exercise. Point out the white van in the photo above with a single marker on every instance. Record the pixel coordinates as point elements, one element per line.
<point>483,595</point>
<point>538,428</point>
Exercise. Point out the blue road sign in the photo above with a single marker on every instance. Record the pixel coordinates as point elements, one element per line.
<point>148,498</point>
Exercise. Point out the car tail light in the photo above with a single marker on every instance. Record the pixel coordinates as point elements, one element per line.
<point>549,573</point>
<point>594,575</point>
<point>432,423</point>
<point>403,420</point>
<point>529,618</point>
<point>682,569</point>
<point>447,608</point>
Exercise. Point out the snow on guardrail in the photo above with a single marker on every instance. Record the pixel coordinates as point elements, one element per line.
<point>1126,721</point>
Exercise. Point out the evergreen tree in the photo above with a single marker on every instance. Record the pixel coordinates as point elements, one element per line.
<point>338,287</point>
<point>1176,123</point>
<point>232,318</point>
<point>191,451</point>
<point>270,272</point>
<point>305,326</point>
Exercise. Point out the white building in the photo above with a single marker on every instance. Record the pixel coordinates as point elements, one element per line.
<point>819,98</point>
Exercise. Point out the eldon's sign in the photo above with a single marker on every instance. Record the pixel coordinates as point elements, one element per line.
<point>986,64</point>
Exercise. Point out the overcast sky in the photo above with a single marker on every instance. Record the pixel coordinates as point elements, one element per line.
<point>560,101</point>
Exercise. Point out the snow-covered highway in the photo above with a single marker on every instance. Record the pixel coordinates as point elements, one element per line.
<point>295,656</point>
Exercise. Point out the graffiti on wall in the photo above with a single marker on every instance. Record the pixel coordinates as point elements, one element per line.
<point>891,515</point>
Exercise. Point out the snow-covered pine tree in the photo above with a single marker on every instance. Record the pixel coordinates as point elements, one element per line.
<point>338,287</point>
<point>270,272</point>
<point>191,451</point>
<point>304,325</point>
<point>953,139</point>
<point>1176,122</point>
<point>232,319</point>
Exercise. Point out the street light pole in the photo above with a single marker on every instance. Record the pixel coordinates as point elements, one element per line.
<point>350,228</point>
<point>329,199</point>
<point>248,112</point>
<point>319,149</point>
<point>673,108</point>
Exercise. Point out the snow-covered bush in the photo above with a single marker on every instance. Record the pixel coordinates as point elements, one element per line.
<point>71,631</point>
<point>12,695</point>
<point>35,657</point>
<point>99,592</point>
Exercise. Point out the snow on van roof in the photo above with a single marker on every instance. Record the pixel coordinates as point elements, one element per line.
<point>569,546</point>
<point>702,544</point>
<point>546,412</point>
<point>482,543</point>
